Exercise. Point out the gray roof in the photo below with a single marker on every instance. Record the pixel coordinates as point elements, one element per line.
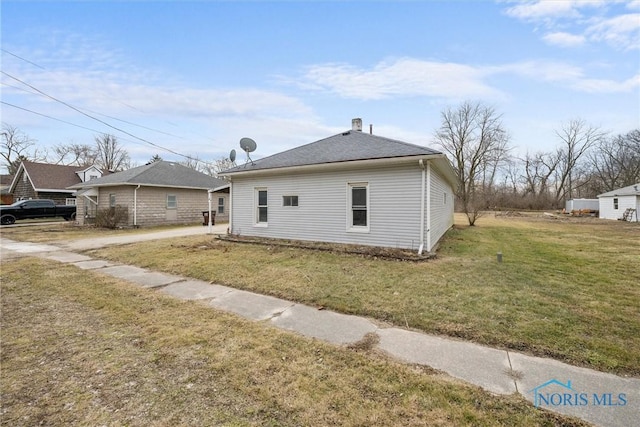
<point>157,174</point>
<point>630,190</point>
<point>344,147</point>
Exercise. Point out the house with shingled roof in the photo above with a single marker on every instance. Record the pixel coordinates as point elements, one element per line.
<point>622,203</point>
<point>157,193</point>
<point>35,180</point>
<point>353,188</point>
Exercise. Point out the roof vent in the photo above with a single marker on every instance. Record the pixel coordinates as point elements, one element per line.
<point>356,124</point>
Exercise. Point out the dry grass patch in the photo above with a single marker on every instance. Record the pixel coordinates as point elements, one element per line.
<point>566,289</point>
<point>83,349</point>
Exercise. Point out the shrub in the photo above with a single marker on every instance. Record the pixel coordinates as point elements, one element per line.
<point>112,217</point>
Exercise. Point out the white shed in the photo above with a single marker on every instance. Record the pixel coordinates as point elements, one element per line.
<point>614,204</point>
<point>580,204</point>
<point>352,187</point>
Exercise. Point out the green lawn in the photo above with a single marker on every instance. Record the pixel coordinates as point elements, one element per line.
<point>567,288</point>
<point>80,348</point>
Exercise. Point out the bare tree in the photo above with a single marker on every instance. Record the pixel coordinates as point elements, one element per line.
<point>473,136</point>
<point>16,147</point>
<point>155,158</point>
<point>110,154</point>
<point>615,162</point>
<point>74,154</point>
<point>576,137</point>
<point>193,162</point>
<point>223,163</point>
<point>212,168</point>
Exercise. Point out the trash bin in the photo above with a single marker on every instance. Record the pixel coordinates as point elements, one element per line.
<point>205,218</point>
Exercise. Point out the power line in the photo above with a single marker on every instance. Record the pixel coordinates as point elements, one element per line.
<point>49,117</point>
<point>117,100</point>
<point>104,115</point>
<point>99,120</point>
<point>23,59</point>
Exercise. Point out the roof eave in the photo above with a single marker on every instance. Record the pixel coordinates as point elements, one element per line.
<point>333,165</point>
<point>135,184</point>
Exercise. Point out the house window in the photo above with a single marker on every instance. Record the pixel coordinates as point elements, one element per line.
<point>289,200</point>
<point>261,206</point>
<point>93,177</point>
<point>358,207</point>
<point>615,203</point>
<point>112,200</point>
<point>221,205</point>
<point>172,201</point>
<point>69,201</point>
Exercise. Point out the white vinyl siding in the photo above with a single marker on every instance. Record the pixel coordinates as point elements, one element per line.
<point>608,209</point>
<point>394,206</point>
<point>441,206</point>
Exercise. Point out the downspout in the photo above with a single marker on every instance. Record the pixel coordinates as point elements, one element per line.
<point>428,196</point>
<point>230,228</point>
<point>209,195</point>
<point>422,196</point>
<point>135,206</point>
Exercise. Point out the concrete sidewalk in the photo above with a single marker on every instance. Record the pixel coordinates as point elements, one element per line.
<point>602,399</point>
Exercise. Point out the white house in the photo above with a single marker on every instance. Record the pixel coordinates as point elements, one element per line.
<point>614,204</point>
<point>352,187</point>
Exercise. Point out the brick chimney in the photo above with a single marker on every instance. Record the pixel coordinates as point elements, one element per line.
<point>356,124</point>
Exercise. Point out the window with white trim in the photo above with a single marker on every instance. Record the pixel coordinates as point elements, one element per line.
<point>615,203</point>
<point>289,200</point>
<point>172,201</point>
<point>261,206</point>
<point>358,207</point>
<point>220,205</point>
<point>112,200</point>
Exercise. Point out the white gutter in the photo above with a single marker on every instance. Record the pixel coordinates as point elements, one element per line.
<point>420,249</point>
<point>350,164</point>
<point>135,206</point>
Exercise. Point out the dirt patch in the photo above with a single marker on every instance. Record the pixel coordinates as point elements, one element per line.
<point>367,251</point>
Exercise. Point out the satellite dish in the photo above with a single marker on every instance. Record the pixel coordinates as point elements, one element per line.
<point>232,155</point>
<point>248,145</point>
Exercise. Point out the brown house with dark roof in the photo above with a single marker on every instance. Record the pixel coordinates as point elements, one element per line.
<point>45,181</point>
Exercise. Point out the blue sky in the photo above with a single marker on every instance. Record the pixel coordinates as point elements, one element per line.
<point>195,77</point>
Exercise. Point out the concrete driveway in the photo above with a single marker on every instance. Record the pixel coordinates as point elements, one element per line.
<point>100,242</point>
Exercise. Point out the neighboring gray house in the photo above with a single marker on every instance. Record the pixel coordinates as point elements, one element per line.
<point>614,204</point>
<point>349,188</point>
<point>157,193</point>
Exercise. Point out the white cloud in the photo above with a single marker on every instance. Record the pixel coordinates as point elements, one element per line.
<point>544,9</point>
<point>607,86</point>
<point>404,77</point>
<point>563,39</point>
<point>409,77</point>
<point>594,21</point>
<point>621,31</point>
<point>633,5</point>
